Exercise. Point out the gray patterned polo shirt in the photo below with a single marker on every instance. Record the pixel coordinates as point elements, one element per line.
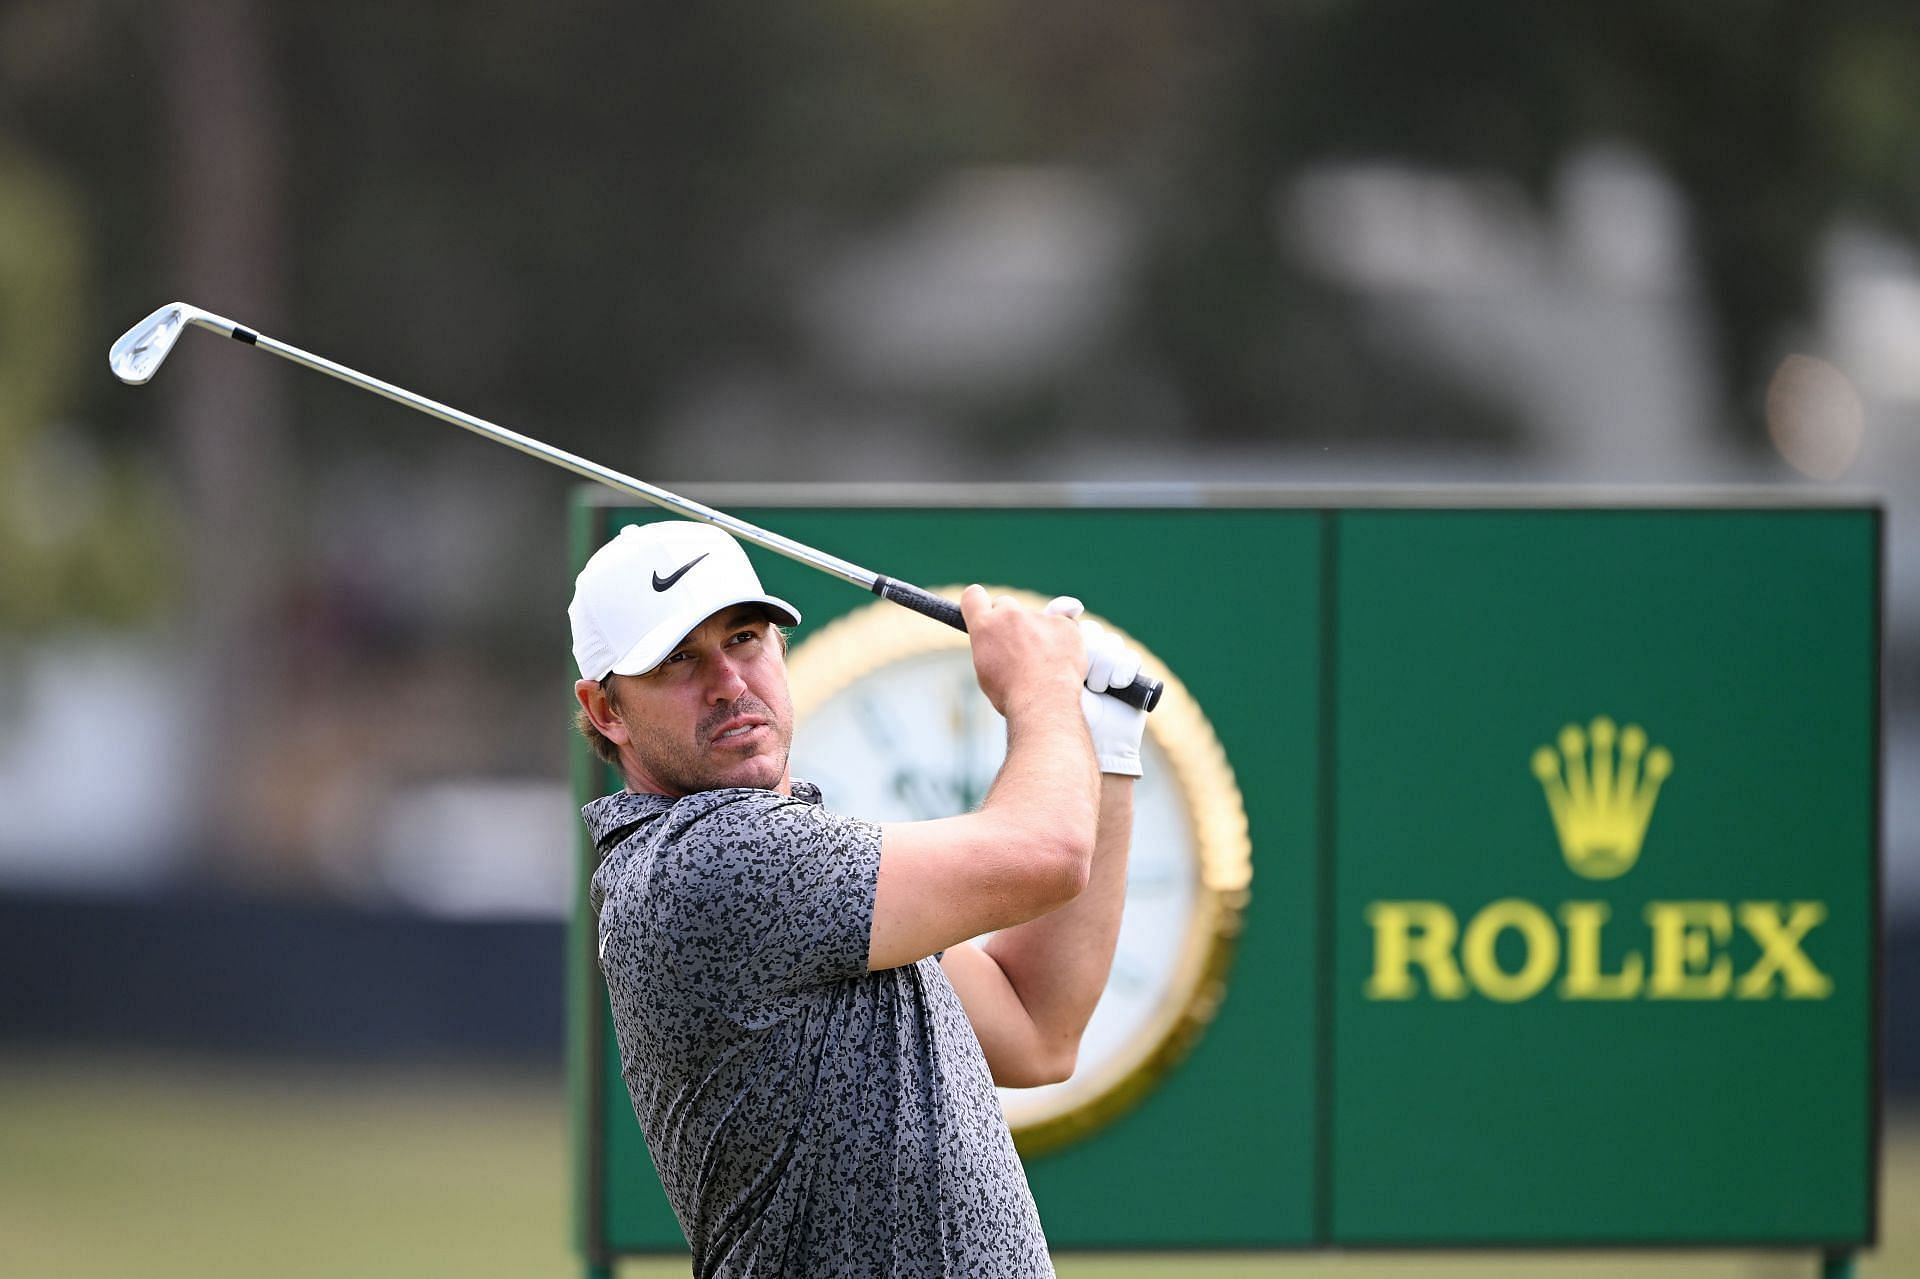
<point>807,1117</point>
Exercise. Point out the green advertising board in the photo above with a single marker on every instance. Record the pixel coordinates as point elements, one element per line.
<point>1523,883</point>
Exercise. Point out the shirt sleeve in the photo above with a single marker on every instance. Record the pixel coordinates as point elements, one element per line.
<point>757,895</point>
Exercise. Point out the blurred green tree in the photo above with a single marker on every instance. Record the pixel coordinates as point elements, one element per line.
<point>84,535</point>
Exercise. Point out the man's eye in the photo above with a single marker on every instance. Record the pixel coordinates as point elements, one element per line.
<point>682,656</point>
<point>744,636</point>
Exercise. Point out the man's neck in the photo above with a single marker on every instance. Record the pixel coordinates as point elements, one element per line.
<point>643,786</point>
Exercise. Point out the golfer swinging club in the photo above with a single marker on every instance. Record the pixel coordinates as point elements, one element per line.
<point>810,1035</point>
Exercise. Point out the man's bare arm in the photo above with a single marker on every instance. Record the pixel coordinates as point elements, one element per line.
<point>1043,864</point>
<point>1030,990</point>
<point>1027,851</point>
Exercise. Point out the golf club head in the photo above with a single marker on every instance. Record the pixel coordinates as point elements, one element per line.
<point>137,356</point>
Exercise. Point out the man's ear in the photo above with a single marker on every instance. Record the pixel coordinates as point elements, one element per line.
<point>592,696</point>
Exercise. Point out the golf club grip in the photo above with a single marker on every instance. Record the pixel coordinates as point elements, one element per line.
<point>1144,692</point>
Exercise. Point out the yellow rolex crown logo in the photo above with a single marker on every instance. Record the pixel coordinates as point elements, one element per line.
<point>1601,798</point>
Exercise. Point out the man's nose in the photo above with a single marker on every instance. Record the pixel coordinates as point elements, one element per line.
<point>724,683</point>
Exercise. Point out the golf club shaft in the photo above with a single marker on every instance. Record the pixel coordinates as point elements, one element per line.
<point>566,461</point>
<point>1144,692</point>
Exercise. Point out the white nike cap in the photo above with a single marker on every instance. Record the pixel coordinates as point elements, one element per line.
<point>647,589</point>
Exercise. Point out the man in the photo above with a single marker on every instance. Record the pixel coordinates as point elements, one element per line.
<point>808,1031</point>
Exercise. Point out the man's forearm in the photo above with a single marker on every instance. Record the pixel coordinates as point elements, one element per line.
<point>1057,964</point>
<point>1049,775</point>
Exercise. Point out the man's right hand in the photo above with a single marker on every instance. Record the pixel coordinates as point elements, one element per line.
<point>1021,656</point>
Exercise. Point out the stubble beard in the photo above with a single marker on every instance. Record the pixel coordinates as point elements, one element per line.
<point>690,768</point>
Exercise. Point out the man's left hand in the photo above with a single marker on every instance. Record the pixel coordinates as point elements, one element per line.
<point>1116,727</point>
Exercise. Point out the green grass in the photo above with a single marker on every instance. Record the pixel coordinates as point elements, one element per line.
<point>163,1169</point>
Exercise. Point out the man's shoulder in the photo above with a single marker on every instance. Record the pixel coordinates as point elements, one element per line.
<point>614,819</point>
<point>712,824</point>
<point>758,888</point>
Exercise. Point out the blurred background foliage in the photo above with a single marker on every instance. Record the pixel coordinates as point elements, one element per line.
<point>83,534</point>
<point>564,211</point>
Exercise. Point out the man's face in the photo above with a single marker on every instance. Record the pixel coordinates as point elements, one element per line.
<point>714,713</point>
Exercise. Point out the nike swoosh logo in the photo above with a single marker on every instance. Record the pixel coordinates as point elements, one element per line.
<point>663,583</point>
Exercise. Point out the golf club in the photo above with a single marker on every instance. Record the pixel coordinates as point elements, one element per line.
<point>141,350</point>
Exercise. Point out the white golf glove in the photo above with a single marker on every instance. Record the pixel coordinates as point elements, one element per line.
<point>1116,727</point>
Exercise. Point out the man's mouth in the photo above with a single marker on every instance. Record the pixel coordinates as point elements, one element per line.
<point>738,729</point>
